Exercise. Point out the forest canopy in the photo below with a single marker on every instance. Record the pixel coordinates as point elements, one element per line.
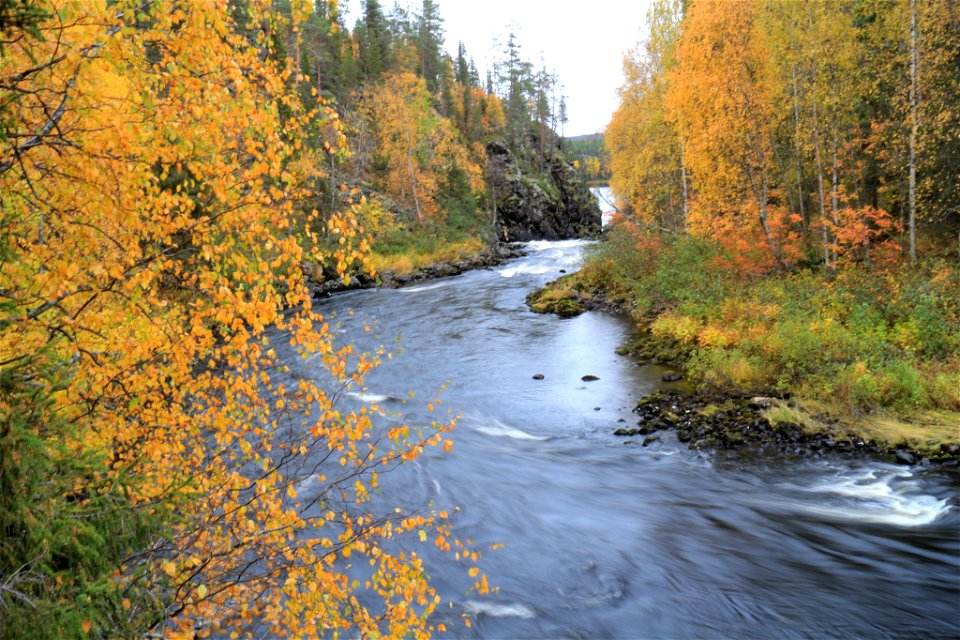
<point>794,131</point>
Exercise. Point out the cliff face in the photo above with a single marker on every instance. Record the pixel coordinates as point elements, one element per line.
<point>556,206</point>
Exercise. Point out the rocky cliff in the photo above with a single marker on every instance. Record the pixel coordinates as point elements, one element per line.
<point>554,206</point>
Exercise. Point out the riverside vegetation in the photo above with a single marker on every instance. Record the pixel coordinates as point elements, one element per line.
<point>781,237</point>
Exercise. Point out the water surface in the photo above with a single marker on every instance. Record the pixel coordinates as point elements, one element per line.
<point>607,538</point>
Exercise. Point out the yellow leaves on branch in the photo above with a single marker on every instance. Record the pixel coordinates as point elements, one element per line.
<point>149,195</point>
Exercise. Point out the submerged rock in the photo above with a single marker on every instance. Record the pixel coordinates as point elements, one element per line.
<point>538,376</point>
<point>589,378</point>
<point>905,457</point>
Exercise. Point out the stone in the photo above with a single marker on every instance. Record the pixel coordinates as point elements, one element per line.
<point>671,377</point>
<point>905,457</point>
<point>589,378</point>
<point>650,440</point>
<point>761,402</point>
<point>625,432</point>
<point>555,206</point>
<point>538,376</point>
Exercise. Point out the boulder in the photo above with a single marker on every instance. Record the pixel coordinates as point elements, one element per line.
<point>557,205</point>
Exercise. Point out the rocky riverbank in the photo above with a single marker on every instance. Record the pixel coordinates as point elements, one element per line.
<point>325,282</point>
<point>717,420</point>
<point>706,421</point>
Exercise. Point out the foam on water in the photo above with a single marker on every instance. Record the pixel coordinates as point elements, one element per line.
<point>425,287</point>
<point>546,256</point>
<point>881,494</point>
<point>498,429</point>
<point>529,269</point>
<point>371,398</point>
<point>512,610</point>
<point>545,245</point>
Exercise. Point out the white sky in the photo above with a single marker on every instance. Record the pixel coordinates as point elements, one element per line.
<point>583,40</point>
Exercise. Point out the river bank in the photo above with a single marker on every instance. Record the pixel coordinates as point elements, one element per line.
<point>324,282</point>
<point>842,364</point>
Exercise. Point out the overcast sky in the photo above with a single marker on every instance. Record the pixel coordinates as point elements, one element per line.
<point>583,40</point>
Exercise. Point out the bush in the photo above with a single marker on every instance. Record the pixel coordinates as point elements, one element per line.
<point>66,532</point>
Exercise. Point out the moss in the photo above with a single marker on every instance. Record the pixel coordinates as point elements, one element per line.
<point>556,298</point>
<point>783,415</point>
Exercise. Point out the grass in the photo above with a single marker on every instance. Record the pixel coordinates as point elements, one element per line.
<point>924,431</point>
<point>419,255</point>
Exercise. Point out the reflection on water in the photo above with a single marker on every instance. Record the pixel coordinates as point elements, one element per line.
<point>607,538</point>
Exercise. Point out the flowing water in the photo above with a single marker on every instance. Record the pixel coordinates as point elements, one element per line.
<point>605,538</point>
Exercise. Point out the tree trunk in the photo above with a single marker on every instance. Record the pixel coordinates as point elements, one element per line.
<point>835,191</point>
<point>796,116</point>
<point>760,193</point>
<point>413,175</point>
<point>914,100</point>
<point>686,196</point>
<point>783,173</point>
<point>819,159</point>
<point>820,191</point>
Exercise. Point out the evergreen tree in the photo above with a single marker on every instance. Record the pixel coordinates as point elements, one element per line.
<point>430,44</point>
<point>516,79</point>
<point>373,38</point>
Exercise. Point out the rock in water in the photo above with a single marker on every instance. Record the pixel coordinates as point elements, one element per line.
<point>905,457</point>
<point>671,377</point>
<point>538,376</point>
<point>557,205</point>
<point>589,378</point>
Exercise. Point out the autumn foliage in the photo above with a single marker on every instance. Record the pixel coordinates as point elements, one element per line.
<point>778,163</point>
<point>791,132</point>
<point>157,166</point>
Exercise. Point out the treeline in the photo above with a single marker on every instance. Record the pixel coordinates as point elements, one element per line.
<point>166,171</point>
<point>589,155</point>
<point>417,119</point>
<point>795,132</point>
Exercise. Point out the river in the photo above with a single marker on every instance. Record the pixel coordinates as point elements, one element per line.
<point>607,538</point>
